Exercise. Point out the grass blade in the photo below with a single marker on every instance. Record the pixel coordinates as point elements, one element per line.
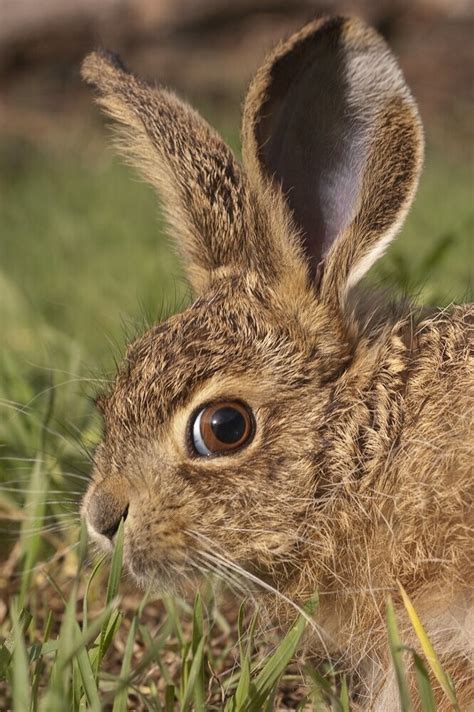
<point>30,536</point>
<point>323,692</point>
<point>429,652</point>
<point>268,677</point>
<point>88,677</point>
<point>193,675</point>
<point>112,591</point>
<point>85,601</point>
<point>120,701</point>
<point>58,697</point>
<point>425,691</point>
<point>40,664</point>
<point>198,636</point>
<point>243,686</point>
<point>20,673</point>
<point>344,696</point>
<point>396,650</point>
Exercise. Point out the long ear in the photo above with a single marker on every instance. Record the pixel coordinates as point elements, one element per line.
<point>195,173</point>
<point>330,119</point>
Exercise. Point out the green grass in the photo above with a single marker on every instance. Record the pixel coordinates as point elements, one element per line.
<point>84,263</point>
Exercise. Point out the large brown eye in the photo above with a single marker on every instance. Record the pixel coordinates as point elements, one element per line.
<point>221,427</point>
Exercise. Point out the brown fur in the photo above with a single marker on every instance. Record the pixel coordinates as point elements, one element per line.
<point>359,472</point>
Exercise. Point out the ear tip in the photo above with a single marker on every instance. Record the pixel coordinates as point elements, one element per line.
<point>345,31</point>
<point>100,65</point>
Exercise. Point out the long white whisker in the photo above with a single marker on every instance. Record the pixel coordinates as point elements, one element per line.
<point>18,516</point>
<point>60,527</point>
<point>228,577</point>
<point>262,584</point>
<point>44,564</point>
<point>29,491</point>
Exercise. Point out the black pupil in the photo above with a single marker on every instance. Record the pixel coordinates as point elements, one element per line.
<point>228,425</point>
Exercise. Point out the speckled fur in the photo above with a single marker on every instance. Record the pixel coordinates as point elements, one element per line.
<point>359,474</point>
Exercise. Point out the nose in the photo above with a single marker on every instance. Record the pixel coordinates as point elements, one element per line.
<point>105,511</point>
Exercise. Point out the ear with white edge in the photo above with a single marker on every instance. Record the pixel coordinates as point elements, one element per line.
<point>330,121</point>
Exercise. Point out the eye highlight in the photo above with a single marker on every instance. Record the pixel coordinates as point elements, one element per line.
<point>220,428</point>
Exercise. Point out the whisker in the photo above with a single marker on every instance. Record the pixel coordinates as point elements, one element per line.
<point>20,517</point>
<point>42,530</point>
<point>262,584</point>
<point>18,408</point>
<point>12,458</point>
<point>11,482</point>
<point>77,476</point>
<point>44,564</point>
<point>56,386</point>
<point>50,369</point>
<point>232,581</point>
<point>29,491</point>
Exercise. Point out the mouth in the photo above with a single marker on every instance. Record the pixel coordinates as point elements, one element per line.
<point>160,572</point>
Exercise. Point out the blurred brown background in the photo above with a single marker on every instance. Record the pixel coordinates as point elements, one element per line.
<point>208,49</point>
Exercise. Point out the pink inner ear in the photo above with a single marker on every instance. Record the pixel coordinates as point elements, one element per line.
<point>313,141</point>
<point>340,192</point>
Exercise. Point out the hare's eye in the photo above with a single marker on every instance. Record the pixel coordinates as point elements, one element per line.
<point>219,428</point>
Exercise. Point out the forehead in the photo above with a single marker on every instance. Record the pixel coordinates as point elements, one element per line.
<point>164,367</point>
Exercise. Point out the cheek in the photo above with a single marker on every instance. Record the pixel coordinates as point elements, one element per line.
<point>159,516</point>
<point>157,538</point>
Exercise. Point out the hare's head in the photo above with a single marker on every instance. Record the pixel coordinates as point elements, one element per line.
<point>211,441</point>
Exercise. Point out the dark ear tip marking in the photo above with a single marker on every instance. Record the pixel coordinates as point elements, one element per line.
<point>112,58</point>
<point>102,65</point>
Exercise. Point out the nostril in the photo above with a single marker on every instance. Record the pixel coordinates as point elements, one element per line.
<point>105,512</point>
<point>112,530</point>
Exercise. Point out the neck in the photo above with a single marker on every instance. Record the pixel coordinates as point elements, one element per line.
<point>392,478</point>
<point>391,481</point>
<point>366,414</point>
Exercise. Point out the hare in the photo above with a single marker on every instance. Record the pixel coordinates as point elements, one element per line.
<point>281,431</point>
